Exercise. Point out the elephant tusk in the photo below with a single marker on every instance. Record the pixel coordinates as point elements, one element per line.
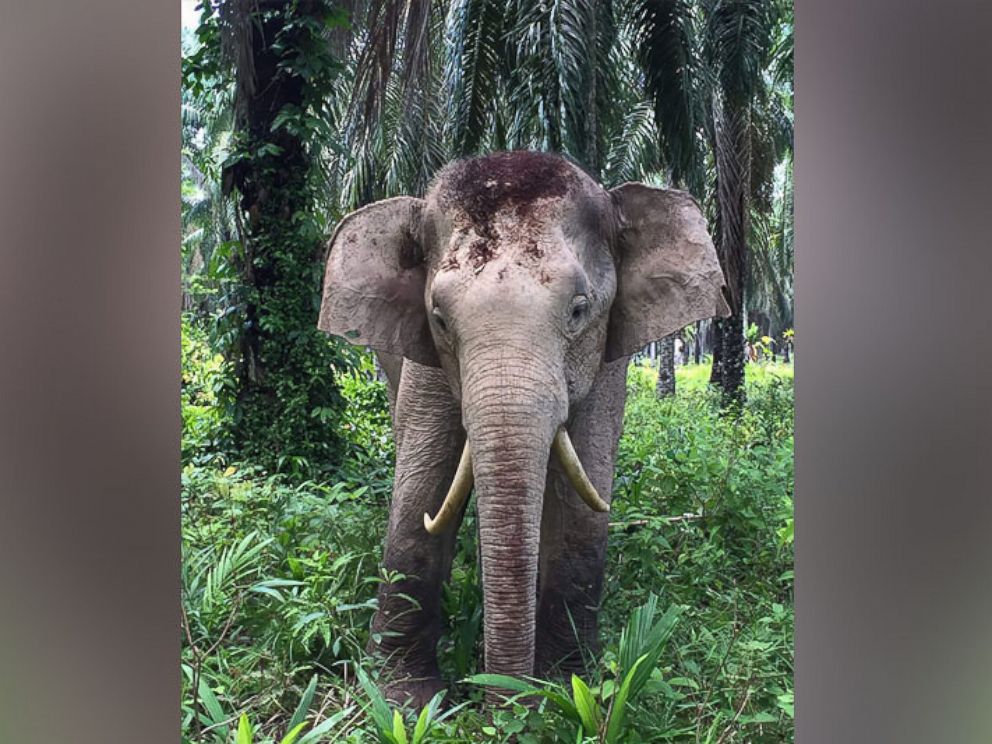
<point>562,447</point>
<point>461,484</point>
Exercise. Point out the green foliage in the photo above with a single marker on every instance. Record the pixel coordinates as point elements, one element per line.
<point>391,724</point>
<point>367,427</point>
<point>703,517</point>
<point>205,376</point>
<point>252,150</point>
<point>279,581</point>
<point>641,644</point>
<point>279,571</point>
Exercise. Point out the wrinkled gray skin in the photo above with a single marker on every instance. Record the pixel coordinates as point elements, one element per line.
<point>502,306</point>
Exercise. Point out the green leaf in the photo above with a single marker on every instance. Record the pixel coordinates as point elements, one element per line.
<point>523,689</point>
<point>399,733</point>
<point>304,705</point>
<point>423,721</point>
<point>426,717</point>
<point>213,708</point>
<point>760,717</point>
<point>324,726</point>
<point>244,730</point>
<point>645,637</point>
<point>290,737</point>
<point>615,727</point>
<point>380,711</point>
<point>608,688</point>
<point>501,680</point>
<point>586,706</point>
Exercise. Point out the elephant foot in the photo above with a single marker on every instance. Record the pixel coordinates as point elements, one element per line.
<point>412,692</point>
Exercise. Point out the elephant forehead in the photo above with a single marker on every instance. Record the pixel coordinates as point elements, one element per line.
<point>525,185</point>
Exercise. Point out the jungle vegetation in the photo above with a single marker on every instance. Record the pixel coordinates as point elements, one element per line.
<point>295,113</point>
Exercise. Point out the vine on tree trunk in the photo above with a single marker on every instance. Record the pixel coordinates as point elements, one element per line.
<point>283,400</point>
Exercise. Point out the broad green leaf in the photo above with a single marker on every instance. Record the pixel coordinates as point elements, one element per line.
<point>399,732</point>
<point>380,711</point>
<point>324,726</point>
<point>294,732</point>
<point>586,706</point>
<point>426,717</point>
<point>304,705</point>
<point>423,721</point>
<point>213,707</point>
<point>615,727</point>
<point>244,730</point>
<point>547,690</point>
<point>501,680</point>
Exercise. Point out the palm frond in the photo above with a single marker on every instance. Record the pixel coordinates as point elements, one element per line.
<point>668,54</point>
<point>238,20</point>
<point>770,271</point>
<point>738,37</point>
<point>417,57</point>
<point>634,153</point>
<point>769,139</point>
<point>376,59</point>
<point>475,32</point>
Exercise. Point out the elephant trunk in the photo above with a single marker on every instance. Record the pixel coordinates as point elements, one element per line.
<point>512,411</point>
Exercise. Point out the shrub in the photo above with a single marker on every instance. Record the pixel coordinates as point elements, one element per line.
<point>279,582</point>
<point>204,376</point>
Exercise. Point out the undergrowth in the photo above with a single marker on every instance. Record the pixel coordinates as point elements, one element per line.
<point>279,581</point>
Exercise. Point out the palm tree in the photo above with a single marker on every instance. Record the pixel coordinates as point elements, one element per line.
<point>269,62</point>
<point>769,282</point>
<point>737,47</point>
<point>666,367</point>
<point>439,80</point>
<point>671,92</point>
<point>208,221</point>
<point>705,67</point>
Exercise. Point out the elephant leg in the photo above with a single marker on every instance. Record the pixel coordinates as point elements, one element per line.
<point>407,624</point>
<point>573,537</point>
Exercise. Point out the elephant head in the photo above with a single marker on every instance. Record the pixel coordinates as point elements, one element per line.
<point>519,276</point>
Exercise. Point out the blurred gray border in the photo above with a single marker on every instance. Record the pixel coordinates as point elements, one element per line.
<point>89,371</point>
<point>894,372</point>
<point>894,445</point>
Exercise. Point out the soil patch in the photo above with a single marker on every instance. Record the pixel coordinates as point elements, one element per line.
<point>482,187</point>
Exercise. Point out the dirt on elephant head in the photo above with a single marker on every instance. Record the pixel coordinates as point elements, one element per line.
<point>482,187</point>
<point>480,253</point>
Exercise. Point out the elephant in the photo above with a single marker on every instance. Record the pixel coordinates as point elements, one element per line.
<point>504,306</point>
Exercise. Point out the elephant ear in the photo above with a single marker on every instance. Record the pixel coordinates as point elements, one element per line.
<point>668,275</point>
<point>374,281</point>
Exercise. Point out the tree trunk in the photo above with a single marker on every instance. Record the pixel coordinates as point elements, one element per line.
<point>733,360</point>
<point>732,159</point>
<point>284,362</point>
<point>666,367</point>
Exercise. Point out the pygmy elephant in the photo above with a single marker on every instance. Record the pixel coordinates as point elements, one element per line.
<point>504,307</point>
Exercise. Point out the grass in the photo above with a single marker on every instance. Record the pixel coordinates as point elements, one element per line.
<point>279,583</point>
<point>697,376</point>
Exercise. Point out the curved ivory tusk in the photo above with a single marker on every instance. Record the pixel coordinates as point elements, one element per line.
<point>461,484</point>
<point>562,447</point>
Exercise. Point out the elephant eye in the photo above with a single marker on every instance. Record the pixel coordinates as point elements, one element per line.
<point>578,312</point>
<point>439,320</point>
